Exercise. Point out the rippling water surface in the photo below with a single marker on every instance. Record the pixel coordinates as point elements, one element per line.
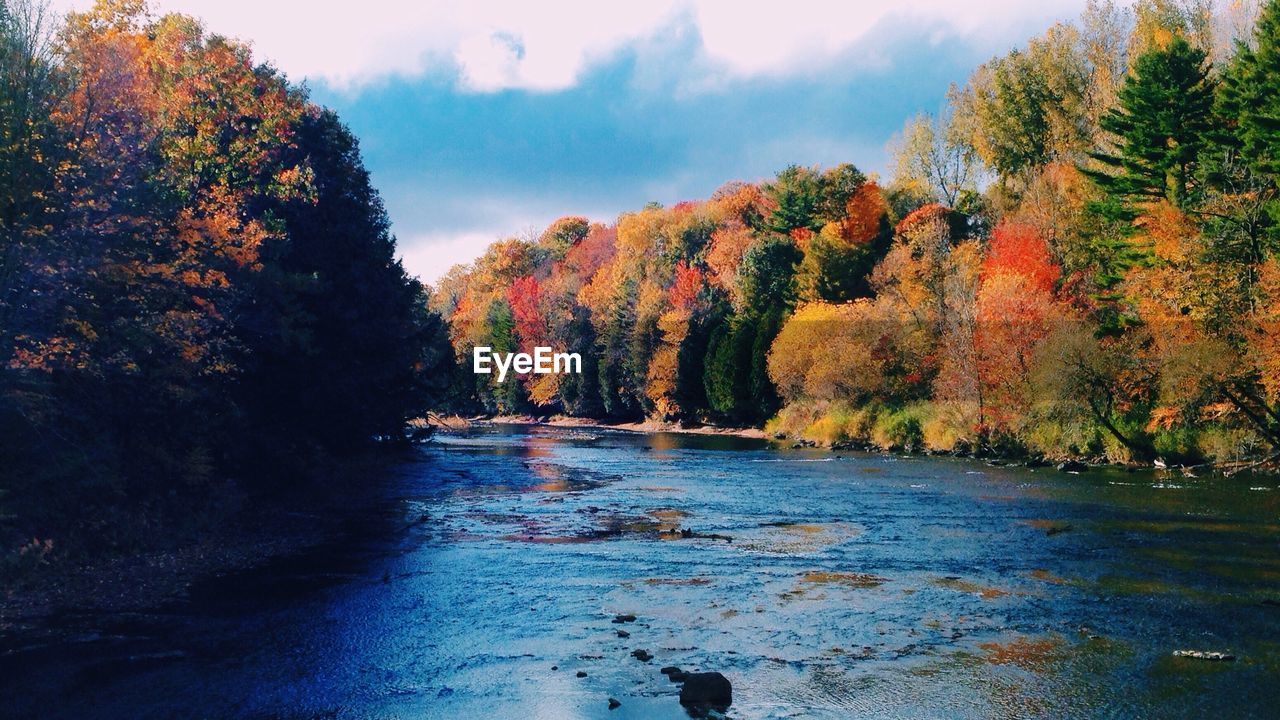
<point>820,585</point>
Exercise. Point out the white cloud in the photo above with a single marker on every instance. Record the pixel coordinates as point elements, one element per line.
<point>546,45</point>
<point>430,256</point>
<point>776,38</point>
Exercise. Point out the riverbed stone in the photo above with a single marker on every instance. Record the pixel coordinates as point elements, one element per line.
<point>1210,655</point>
<point>706,690</point>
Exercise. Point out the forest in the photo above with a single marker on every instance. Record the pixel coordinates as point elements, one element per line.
<point>1075,257</point>
<point>200,303</point>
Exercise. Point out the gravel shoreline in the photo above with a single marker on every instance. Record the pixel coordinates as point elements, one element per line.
<point>149,579</point>
<point>269,529</point>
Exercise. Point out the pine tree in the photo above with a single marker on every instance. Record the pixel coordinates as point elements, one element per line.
<point>507,396</point>
<point>1160,126</point>
<point>1245,157</point>
<point>1255,89</point>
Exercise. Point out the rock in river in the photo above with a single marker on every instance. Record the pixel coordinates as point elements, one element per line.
<point>1204,655</point>
<point>706,690</point>
<point>614,704</point>
<point>642,655</point>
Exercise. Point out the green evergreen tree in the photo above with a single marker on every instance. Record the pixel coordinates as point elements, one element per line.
<point>807,199</point>
<point>580,392</point>
<point>767,275</point>
<point>763,400</point>
<point>1253,90</point>
<point>1244,159</point>
<point>506,396</point>
<point>796,193</point>
<point>727,371</point>
<point>616,381</point>
<point>1160,127</point>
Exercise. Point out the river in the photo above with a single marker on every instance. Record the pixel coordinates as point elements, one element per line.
<point>822,585</point>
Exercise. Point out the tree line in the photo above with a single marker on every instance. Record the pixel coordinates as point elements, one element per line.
<point>199,295</point>
<point>1077,256</point>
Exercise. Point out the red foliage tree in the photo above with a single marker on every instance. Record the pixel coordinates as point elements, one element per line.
<point>531,327</point>
<point>1018,248</point>
<point>593,251</point>
<point>922,216</point>
<point>864,212</point>
<point>688,283</point>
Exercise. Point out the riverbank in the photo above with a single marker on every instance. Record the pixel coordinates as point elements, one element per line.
<point>266,530</point>
<point>991,455</point>
<point>565,421</point>
<point>151,578</point>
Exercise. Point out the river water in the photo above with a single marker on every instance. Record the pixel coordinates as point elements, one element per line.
<point>821,585</point>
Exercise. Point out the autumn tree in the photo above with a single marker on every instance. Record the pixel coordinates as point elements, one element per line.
<point>839,259</point>
<point>352,349</point>
<point>1015,310</point>
<point>678,358</point>
<point>931,154</point>
<point>1037,104</point>
<point>198,284</point>
<point>564,234</point>
<point>806,198</point>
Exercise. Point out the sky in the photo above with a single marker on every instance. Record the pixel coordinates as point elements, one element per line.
<point>481,120</point>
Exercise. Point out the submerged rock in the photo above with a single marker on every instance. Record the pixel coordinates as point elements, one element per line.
<point>691,534</point>
<point>707,690</point>
<point>614,704</point>
<point>642,655</point>
<point>582,673</point>
<point>1205,655</point>
<point>674,674</point>
<point>624,618</point>
<point>1072,466</point>
<point>624,634</point>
